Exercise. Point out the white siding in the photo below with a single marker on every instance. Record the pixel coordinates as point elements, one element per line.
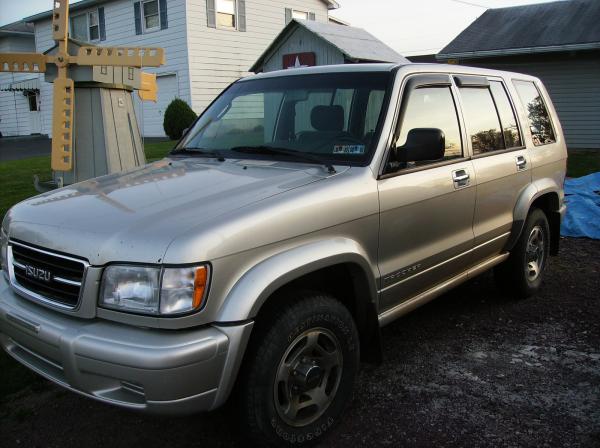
<point>11,123</point>
<point>219,56</point>
<point>302,41</point>
<point>205,60</point>
<point>120,31</point>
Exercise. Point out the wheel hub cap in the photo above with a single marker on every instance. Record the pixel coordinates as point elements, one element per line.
<point>308,376</point>
<point>535,253</point>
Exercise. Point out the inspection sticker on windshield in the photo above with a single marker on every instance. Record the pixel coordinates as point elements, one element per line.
<point>349,149</point>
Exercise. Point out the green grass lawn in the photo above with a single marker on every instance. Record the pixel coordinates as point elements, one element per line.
<point>16,176</point>
<point>582,162</point>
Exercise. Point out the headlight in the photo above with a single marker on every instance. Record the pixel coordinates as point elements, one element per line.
<point>3,251</point>
<point>157,291</point>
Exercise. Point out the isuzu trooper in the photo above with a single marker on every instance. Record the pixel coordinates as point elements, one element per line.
<point>303,210</point>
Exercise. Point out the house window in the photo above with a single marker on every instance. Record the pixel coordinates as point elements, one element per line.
<point>86,27</point>
<point>151,16</point>
<point>79,28</point>
<point>302,15</point>
<point>94,27</point>
<point>226,13</point>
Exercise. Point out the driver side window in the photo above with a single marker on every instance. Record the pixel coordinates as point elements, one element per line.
<point>427,109</point>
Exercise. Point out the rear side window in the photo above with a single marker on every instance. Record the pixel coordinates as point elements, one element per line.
<point>540,123</point>
<point>508,121</point>
<point>483,125</point>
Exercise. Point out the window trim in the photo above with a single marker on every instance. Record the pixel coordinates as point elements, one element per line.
<point>156,28</point>
<point>89,27</point>
<point>423,80</point>
<point>235,17</point>
<point>87,24</point>
<point>527,115</point>
<point>299,10</point>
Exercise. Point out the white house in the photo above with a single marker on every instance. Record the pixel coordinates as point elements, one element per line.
<point>19,92</point>
<point>208,43</point>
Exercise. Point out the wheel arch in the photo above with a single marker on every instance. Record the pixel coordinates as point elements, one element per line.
<point>546,195</point>
<point>339,267</point>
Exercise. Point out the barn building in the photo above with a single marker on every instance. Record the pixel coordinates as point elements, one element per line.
<point>559,42</point>
<point>308,43</point>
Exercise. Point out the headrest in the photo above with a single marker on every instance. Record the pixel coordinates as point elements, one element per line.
<point>327,118</point>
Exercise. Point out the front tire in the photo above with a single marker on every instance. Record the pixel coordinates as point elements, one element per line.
<point>522,273</point>
<point>299,371</point>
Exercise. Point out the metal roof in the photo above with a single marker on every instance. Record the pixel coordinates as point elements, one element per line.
<point>554,26</point>
<point>354,43</point>
<point>331,4</point>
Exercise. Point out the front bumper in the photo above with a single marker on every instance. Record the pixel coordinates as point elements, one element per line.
<point>161,371</point>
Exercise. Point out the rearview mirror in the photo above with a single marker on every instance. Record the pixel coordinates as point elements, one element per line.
<point>422,144</point>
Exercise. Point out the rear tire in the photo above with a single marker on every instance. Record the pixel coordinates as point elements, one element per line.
<point>299,372</point>
<point>522,273</point>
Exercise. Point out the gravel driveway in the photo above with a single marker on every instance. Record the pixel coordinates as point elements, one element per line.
<point>474,368</point>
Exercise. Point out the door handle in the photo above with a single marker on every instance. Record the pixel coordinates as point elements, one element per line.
<point>521,162</point>
<point>460,178</point>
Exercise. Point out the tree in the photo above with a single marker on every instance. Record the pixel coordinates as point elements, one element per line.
<point>178,117</point>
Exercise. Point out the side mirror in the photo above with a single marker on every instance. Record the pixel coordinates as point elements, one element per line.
<point>422,144</point>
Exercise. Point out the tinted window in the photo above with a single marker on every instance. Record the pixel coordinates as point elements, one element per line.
<point>432,107</point>
<point>508,121</point>
<point>483,126</point>
<point>373,110</point>
<point>539,119</point>
<point>316,114</point>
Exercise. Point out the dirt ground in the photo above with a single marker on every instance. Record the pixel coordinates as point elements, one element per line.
<point>474,368</point>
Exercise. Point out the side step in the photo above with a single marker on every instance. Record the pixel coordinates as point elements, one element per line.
<point>427,296</point>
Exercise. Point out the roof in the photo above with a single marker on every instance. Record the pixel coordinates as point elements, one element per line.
<point>331,4</point>
<point>17,28</point>
<point>542,27</point>
<point>354,43</point>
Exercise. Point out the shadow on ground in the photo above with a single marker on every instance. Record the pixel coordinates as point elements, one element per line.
<point>473,368</point>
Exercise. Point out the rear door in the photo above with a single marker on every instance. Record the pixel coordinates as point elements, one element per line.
<point>427,206</point>
<point>500,159</point>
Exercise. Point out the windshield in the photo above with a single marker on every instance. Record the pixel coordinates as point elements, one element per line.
<point>332,116</point>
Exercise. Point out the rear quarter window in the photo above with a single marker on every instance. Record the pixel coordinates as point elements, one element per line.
<point>540,123</point>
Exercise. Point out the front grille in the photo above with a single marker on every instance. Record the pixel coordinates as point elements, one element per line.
<point>49,276</point>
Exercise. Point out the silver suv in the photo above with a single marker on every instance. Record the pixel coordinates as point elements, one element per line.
<point>303,211</point>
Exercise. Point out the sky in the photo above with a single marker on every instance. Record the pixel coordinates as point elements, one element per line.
<point>410,27</point>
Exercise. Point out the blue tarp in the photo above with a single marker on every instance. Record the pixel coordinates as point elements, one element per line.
<point>582,195</point>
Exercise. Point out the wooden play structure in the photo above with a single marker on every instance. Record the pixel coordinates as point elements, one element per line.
<point>98,133</point>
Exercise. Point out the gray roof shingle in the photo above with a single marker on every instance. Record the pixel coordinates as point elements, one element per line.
<point>558,23</point>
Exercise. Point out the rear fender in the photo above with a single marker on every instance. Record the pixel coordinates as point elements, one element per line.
<point>528,196</point>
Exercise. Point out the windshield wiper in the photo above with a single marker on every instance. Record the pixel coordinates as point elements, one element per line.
<point>198,151</point>
<point>264,149</point>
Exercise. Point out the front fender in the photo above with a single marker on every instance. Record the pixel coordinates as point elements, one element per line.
<point>252,290</point>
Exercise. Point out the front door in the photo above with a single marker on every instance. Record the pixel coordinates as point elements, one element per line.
<point>427,206</point>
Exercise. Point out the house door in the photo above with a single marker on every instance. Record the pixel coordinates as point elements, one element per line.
<point>35,121</point>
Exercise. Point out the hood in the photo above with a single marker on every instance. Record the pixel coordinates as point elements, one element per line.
<point>133,216</point>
